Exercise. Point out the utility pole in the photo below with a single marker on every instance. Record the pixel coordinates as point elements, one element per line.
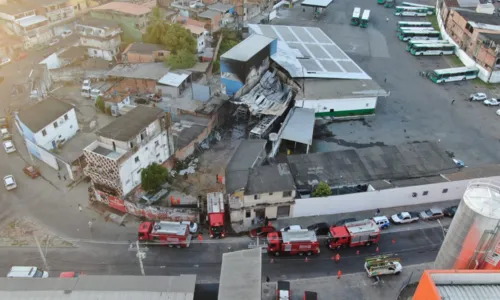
<point>41,252</point>
<point>140,255</point>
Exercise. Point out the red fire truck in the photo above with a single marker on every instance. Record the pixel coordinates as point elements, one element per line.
<point>358,233</point>
<point>215,210</point>
<point>165,233</point>
<point>293,242</point>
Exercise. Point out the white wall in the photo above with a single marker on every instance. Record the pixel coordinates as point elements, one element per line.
<point>265,198</point>
<point>381,199</point>
<point>104,54</point>
<point>64,131</point>
<point>338,104</point>
<point>201,42</point>
<point>52,61</point>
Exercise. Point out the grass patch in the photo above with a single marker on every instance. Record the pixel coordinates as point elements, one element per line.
<point>486,85</point>
<point>433,19</point>
<point>455,61</point>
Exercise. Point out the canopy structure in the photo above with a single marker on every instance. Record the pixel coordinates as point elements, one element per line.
<point>317,3</point>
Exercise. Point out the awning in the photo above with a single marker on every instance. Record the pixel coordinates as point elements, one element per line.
<point>300,126</point>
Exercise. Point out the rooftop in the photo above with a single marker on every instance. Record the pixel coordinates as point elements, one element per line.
<point>38,116</point>
<point>317,3</point>
<point>247,48</point>
<point>125,7</point>
<point>220,7</point>
<point>269,179</point>
<point>451,3</point>
<point>173,79</point>
<point>194,29</point>
<point>73,53</point>
<point>209,14</point>
<point>307,52</point>
<point>468,3</point>
<point>474,173</point>
<point>326,89</point>
<point>248,155</point>
<point>240,275</point>
<point>31,20</point>
<point>99,287</point>
<point>479,19</point>
<point>128,126</point>
<point>148,71</point>
<point>299,126</point>
<point>187,129</point>
<point>144,48</point>
<point>361,166</point>
<point>73,149</point>
<point>98,23</point>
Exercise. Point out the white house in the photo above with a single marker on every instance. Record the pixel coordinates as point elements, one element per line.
<point>126,146</point>
<point>47,125</point>
<point>200,34</point>
<point>101,37</point>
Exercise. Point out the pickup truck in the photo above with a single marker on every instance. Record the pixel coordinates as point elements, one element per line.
<point>405,217</point>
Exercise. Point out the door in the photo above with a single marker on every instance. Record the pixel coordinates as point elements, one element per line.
<point>283,211</point>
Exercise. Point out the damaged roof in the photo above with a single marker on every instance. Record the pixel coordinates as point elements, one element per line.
<point>269,179</point>
<point>144,48</point>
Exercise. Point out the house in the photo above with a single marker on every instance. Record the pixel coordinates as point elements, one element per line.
<point>213,19</point>
<point>138,78</point>
<point>133,18</point>
<point>226,11</point>
<point>126,146</point>
<point>173,84</point>
<point>100,37</point>
<point>116,101</point>
<point>46,126</point>
<point>200,35</point>
<point>140,52</point>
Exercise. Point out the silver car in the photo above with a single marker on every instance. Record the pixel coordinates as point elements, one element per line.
<point>431,214</point>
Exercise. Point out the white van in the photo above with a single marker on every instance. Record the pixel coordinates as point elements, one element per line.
<point>27,272</point>
<point>382,222</point>
<point>86,88</point>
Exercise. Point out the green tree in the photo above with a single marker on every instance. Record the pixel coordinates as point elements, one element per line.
<point>322,190</point>
<point>99,103</point>
<point>153,177</point>
<point>181,60</point>
<point>177,38</point>
<point>230,38</point>
<point>156,29</point>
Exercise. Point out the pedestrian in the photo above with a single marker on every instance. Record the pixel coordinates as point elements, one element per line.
<point>268,279</point>
<point>387,19</point>
<point>378,212</point>
<point>337,258</point>
<point>59,175</point>
<point>339,274</point>
<point>452,101</point>
<point>216,178</point>
<point>90,225</point>
<point>64,177</point>
<point>79,207</point>
<point>385,80</point>
<point>266,221</point>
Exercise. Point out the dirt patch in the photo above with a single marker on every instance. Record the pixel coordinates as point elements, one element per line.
<point>22,233</point>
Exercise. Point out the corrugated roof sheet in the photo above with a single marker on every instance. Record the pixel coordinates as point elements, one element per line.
<point>125,7</point>
<point>300,126</point>
<point>469,292</point>
<point>247,48</point>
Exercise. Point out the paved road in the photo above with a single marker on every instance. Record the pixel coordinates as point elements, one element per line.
<point>414,247</point>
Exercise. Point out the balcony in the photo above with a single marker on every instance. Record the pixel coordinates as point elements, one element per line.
<point>61,15</point>
<point>105,150</point>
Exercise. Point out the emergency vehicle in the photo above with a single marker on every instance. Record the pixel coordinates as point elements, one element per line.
<point>383,265</point>
<point>301,242</point>
<point>215,211</point>
<point>283,290</point>
<point>165,233</point>
<point>353,234</point>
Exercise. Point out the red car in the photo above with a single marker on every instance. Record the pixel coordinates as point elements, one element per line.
<point>71,274</point>
<point>261,231</point>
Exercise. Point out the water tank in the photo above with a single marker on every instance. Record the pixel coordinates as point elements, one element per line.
<point>473,237</point>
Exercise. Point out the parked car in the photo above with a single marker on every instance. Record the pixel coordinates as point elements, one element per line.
<point>478,97</point>
<point>5,61</point>
<point>291,228</point>
<point>193,227</point>
<point>31,171</point>
<point>261,231</point>
<point>450,211</point>
<point>5,134</point>
<point>405,217</point>
<point>9,146</point>
<point>53,42</point>
<point>320,228</point>
<point>71,274</point>
<point>491,102</point>
<point>498,112</point>
<point>381,221</point>
<point>343,221</point>
<point>431,214</point>
<point>66,33</point>
<point>9,182</point>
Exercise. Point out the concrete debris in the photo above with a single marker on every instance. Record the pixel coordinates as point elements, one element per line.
<point>269,97</point>
<point>191,169</point>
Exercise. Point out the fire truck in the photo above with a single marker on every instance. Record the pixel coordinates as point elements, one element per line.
<point>215,211</point>
<point>353,234</point>
<point>165,233</point>
<point>293,242</point>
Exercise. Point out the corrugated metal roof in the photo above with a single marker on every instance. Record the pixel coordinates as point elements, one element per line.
<point>124,7</point>
<point>240,276</point>
<point>300,126</point>
<point>469,292</point>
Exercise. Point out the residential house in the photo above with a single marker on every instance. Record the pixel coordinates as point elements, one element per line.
<point>59,13</point>
<point>100,37</point>
<point>46,126</point>
<point>173,84</point>
<point>138,78</point>
<point>140,52</point>
<point>200,34</point>
<point>125,147</point>
<point>116,101</point>
<point>133,18</point>
<point>226,10</point>
<point>213,19</point>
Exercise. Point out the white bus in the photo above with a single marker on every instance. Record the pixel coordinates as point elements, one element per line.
<point>411,43</point>
<point>414,24</point>
<point>432,49</point>
<point>416,28</point>
<point>409,11</point>
<point>355,16</point>
<point>430,9</point>
<point>453,74</point>
<point>406,35</point>
<point>364,18</point>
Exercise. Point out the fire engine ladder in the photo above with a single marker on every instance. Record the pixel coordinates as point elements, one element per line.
<point>380,261</point>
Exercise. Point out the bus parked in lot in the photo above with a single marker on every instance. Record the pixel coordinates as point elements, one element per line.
<point>415,28</point>
<point>432,49</point>
<point>411,43</point>
<point>409,11</point>
<point>414,24</point>
<point>355,16</point>
<point>431,10</point>
<point>453,74</point>
<point>364,18</point>
<point>406,35</point>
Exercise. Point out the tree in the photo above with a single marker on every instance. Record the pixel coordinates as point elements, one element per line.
<point>322,190</point>
<point>156,28</point>
<point>230,38</point>
<point>153,177</point>
<point>99,103</point>
<point>181,60</point>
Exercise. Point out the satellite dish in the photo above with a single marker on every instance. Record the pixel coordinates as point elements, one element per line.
<point>273,137</point>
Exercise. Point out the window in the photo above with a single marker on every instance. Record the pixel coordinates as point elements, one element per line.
<point>160,53</point>
<point>287,194</point>
<point>445,191</point>
<point>270,194</point>
<point>425,193</point>
<point>127,182</point>
<point>95,52</point>
<point>66,117</point>
<point>469,28</point>
<point>248,214</point>
<point>256,197</point>
<point>158,155</point>
<point>44,132</point>
<point>157,143</point>
<point>137,159</point>
<point>55,124</point>
<point>414,195</point>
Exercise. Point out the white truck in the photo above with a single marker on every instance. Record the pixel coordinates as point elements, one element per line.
<point>383,265</point>
<point>405,217</point>
<point>86,88</point>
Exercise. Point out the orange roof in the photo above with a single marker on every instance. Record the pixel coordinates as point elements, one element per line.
<point>194,29</point>
<point>189,21</point>
<point>125,7</point>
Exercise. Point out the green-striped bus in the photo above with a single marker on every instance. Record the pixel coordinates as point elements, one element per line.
<point>453,74</point>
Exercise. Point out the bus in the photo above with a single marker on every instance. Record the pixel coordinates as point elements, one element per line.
<point>411,43</point>
<point>409,11</point>
<point>453,74</point>
<point>364,18</point>
<point>416,28</point>
<point>414,24</point>
<point>389,4</point>
<point>355,16</point>
<point>432,49</point>
<point>406,35</point>
<point>431,10</point>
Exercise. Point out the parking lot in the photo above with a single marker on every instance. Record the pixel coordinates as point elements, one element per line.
<point>417,109</point>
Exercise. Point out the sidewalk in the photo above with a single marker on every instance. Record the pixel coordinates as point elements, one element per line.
<point>367,214</point>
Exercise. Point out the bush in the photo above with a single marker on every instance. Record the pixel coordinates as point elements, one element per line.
<point>99,104</point>
<point>322,190</point>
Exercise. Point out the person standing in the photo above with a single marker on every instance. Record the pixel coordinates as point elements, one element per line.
<point>452,101</point>
<point>79,207</point>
